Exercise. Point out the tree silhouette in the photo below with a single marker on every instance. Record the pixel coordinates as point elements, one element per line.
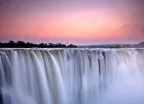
<point>21,44</point>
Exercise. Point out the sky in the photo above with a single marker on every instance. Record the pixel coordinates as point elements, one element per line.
<point>78,22</point>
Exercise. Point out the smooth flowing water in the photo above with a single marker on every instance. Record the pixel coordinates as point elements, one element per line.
<point>72,76</point>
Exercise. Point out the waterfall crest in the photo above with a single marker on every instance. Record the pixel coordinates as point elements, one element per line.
<point>72,76</point>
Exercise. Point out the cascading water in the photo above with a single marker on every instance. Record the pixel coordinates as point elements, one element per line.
<point>71,76</point>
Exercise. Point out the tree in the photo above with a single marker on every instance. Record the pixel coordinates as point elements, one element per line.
<point>21,44</point>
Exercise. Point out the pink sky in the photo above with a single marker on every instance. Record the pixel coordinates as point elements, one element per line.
<point>77,22</point>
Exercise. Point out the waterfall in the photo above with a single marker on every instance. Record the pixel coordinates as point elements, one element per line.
<point>72,76</point>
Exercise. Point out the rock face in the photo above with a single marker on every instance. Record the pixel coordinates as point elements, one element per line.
<point>1,98</point>
<point>72,76</point>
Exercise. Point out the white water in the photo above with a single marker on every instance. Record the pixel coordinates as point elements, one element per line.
<point>72,76</point>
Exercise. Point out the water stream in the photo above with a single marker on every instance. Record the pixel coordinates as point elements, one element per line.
<point>72,76</point>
